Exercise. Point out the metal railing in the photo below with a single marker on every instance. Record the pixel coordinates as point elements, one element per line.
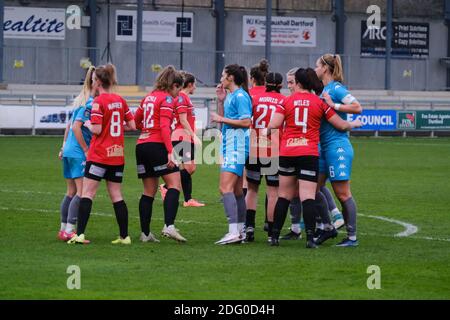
<point>61,65</point>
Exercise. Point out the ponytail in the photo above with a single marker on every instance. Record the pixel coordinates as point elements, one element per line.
<point>314,82</point>
<point>167,77</point>
<point>259,72</point>
<point>334,65</point>
<point>239,74</point>
<point>274,82</point>
<point>85,93</point>
<point>107,75</point>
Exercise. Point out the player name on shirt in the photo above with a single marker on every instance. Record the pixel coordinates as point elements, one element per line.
<point>301,103</point>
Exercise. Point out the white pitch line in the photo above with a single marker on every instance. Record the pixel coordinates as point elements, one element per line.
<point>409,228</point>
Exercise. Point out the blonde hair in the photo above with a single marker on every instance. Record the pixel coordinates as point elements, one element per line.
<point>334,64</point>
<point>167,78</point>
<point>85,92</point>
<point>292,72</point>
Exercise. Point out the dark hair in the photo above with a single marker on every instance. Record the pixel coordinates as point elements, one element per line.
<point>187,78</point>
<point>274,82</point>
<point>107,75</point>
<point>259,72</point>
<point>240,75</point>
<point>317,85</point>
<point>308,79</point>
<point>167,78</point>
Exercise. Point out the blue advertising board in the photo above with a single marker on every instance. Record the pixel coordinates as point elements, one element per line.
<point>376,120</point>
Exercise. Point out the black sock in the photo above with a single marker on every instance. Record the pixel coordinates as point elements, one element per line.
<point>270,228</point>
<point>121,210</point>
<point>250,218</point>
<point>186,183</point>
<point>145,213</point>
<point>171,206</point>
<point>309,217</point>
<point>83,214</point>
<point>266,202</point>
<point>281,209</point>
<point>245,191</point>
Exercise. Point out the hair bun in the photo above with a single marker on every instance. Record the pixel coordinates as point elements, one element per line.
<point>264,65</point>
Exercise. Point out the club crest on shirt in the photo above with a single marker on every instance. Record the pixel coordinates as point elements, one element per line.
<point>169,99</point>
<point>180,99</point>
<point>114,151</point>
<point>95,107</point>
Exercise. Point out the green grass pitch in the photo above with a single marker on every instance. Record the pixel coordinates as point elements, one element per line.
<point>402,179</point>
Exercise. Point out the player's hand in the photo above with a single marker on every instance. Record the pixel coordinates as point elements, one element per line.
<point>327,98</point>
<point>221,93</point>
<point>60,154</point>
<point>88,124</point>
<point>172,161</point>
<point>197,141</point>
<point>215,117</point>
<point>357,123</point>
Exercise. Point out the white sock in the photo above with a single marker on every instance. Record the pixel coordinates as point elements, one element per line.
<point>69,227</point>
<point>233,228</point>
<point>335,212</point>
<point>241,227</point>
<point>63,226</point>
<point>296,228</point>
<point>353,238</point>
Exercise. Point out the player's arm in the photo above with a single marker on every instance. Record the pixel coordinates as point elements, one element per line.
<point>277,119</point>
<point>66,132</point>
<point>96,117</point>
<point>187,127</point>
<point>241,123</point>
<point>343,125</point>
<point>348,104</point>
<point>76,127</point>
<point>336,121</point>
<point>221,95</point>
<point>96,129</point>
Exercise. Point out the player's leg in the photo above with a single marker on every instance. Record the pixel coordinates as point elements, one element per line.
<point>241,206</point>
<point>253,177</point>
<point>91,182</point>
<point>342,159</point>
<point>186,182</point>
<point>336,216</point>
<point>171,204</point>
<point>286,192</point>
<point>329,231</point>
<point>272,197</point>
<point>120,209</point>
<point>70,193</point>
<point>251,201</point>
<point>150,185</point>
<point>74,207</point>
<point>64,206</point>
<point>295,208</point>
<point>349,210</point>
<point>307,196</point>
<point>228,180</point>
